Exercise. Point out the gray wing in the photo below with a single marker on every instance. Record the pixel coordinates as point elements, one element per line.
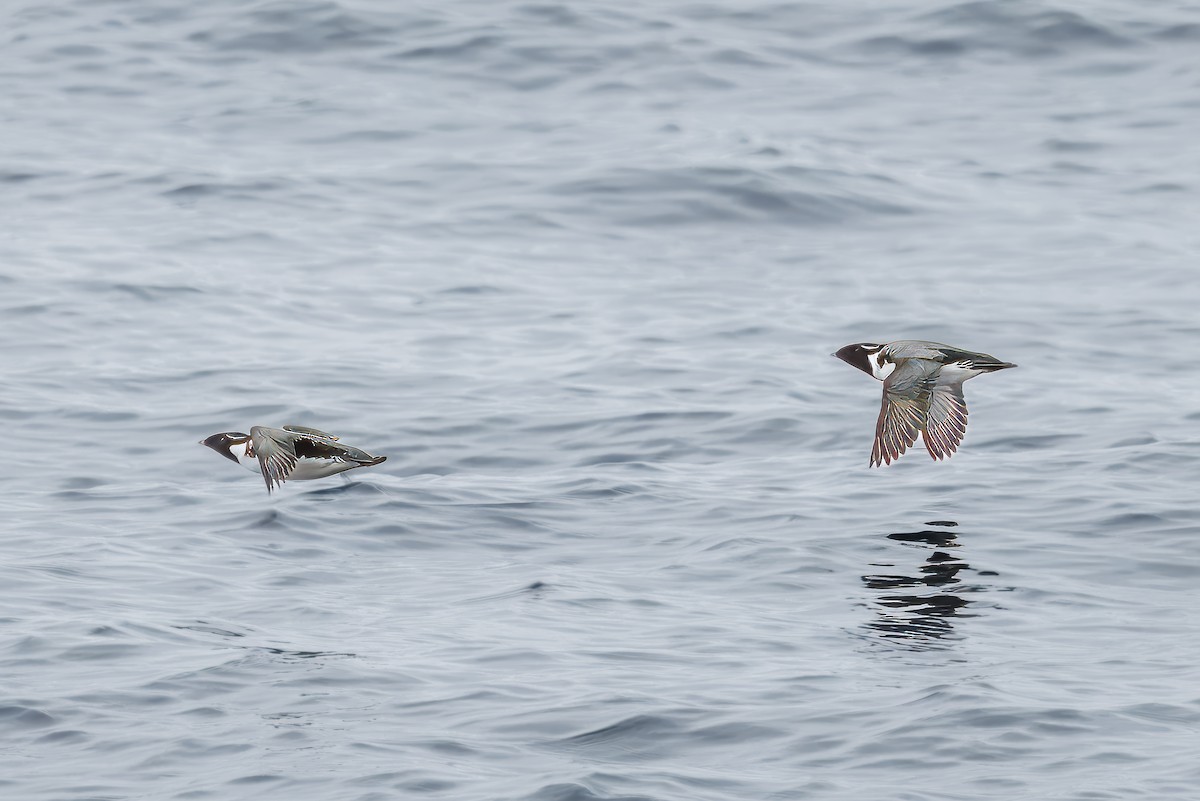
<point>946,421</point>
<point>916,349</point>
<point>276,452</point>
<point>310,431</point>
<point>906,395</point>
<point>944,354</point>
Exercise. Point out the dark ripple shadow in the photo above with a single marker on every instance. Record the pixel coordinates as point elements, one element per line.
<point>924,617</point>
<point>227,637</point>
<point>347,486</point>
<point>536,590</point>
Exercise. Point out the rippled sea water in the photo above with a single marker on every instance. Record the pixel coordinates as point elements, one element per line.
<point>577,270</point>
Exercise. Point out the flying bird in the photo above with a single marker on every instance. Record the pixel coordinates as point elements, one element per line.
<point>291,453</point>
<point>922,393</point>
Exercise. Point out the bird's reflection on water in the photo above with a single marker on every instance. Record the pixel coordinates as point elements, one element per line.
<point>919,611</point>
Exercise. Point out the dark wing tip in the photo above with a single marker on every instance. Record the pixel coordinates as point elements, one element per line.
<point>881,454</point>
<point>272,480</point>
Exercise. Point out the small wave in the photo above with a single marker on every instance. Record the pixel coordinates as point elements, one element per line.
<point>472,45</point>
<point>649,736</point>
<point>1029,443</point>
<point>25,717</point>
<point>641,734</point>
<point>145,292</point>
<point>1187,32</point>
<point>355,137</point>
<point>285,28</point>
<point>227,190</point>
<point>1071,146</point>
<point>980,28</point>
<point>577,792</point>
<point>1011,26</point>
<point>647,197</point>
<point>10,177</point>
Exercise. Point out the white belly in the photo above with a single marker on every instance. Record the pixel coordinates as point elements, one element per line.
<point>954,373</point>
<point>306,469</point>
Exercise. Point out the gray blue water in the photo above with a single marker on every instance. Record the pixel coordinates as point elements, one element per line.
<point>577,270</point>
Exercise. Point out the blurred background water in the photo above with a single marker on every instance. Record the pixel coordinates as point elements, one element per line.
<point>577,270</point>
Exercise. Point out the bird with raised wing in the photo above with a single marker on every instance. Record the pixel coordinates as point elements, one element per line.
<point>922,393</point>
<point>291,453</point>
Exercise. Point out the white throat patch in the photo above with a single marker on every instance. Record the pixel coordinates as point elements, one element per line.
<point>880,368</point>
<point>242,452</point>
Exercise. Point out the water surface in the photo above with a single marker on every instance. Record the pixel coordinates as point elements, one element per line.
<point>577,270</point>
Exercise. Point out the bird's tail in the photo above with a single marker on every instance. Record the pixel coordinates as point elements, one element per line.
<point>362,458</point>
